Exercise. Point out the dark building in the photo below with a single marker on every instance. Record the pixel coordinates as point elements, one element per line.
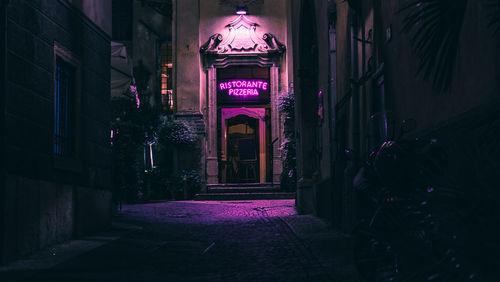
<point>54,122</point>
<point>357,82</point>
<point>144,28</point>
<point>141,77</point>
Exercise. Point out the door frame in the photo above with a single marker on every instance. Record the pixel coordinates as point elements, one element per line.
<point>211,110</point>
<point>260,115</point>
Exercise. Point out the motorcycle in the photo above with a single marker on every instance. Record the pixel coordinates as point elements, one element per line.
<point>409,220</point>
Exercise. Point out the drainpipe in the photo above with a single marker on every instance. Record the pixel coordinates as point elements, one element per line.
<point>332,90</point>
<point>3,93</point>
<point>362,101</point>
<point>350,170</point>
<point>354,86</point>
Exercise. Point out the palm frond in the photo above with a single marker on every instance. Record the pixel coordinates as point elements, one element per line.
<point>435,27</point>
<point>493,15</point>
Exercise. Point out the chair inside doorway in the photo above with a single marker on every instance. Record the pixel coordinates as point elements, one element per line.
<point>242,144</point>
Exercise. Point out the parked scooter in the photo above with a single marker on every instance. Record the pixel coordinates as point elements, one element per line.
<point>408,217</point>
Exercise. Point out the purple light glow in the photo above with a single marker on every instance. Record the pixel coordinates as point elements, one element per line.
<point>243,92</point>
<point>242,83</point>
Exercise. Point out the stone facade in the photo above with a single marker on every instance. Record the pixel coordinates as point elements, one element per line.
<point>198,56</point>
<point>315,97</point>
<point>46,199</point>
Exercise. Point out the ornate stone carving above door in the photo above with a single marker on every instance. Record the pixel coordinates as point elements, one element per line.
<point>241,38</point>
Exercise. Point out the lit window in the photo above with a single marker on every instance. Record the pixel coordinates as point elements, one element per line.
<point>167,95</point>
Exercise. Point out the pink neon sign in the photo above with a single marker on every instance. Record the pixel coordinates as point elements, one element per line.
<point>243,90</point>
<point>244,87</point>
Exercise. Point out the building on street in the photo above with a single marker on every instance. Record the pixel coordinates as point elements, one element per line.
<point>235,96</point>
<point>55,172</point>
<point>230,65</point>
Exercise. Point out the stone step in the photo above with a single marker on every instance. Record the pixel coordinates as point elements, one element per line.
<point>243,196</point>
<point>244,188</point>
<point>265,184</point>
<point>249,189</point>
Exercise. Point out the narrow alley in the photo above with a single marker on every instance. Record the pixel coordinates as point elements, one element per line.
<point>249,140</point>
<point>261,240</point>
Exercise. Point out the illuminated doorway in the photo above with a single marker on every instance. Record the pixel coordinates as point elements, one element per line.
<point>243,145</point>
<point>243,72</point>
<point>243,95</point>
<point>242,149</point>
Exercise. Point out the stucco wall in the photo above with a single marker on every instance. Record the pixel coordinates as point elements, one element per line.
<point>271,16</point>
<point>41,213</point>
<point>343,52</point>
<point>187,56</point>
<point>475,75</point>
<point>98,11</point>
<point>323,83</point>
<point>210,17</point>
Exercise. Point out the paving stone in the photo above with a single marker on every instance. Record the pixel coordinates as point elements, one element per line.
<point>208,241</point>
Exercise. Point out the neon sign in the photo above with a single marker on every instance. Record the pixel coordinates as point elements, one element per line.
<point>243,91</point>
<point>244,87</point>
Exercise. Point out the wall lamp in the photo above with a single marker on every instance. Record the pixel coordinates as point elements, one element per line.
<point>241,10</point>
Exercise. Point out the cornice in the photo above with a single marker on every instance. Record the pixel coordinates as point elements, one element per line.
<point>241,39</point>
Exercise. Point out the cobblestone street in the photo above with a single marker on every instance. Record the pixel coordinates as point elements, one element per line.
<point>206,241</point>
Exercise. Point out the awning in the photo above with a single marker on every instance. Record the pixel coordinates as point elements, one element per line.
<point>121,69</point>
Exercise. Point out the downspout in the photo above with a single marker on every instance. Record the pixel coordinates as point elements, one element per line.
<point>354,86</point>
<point>350,170</point>
<point>174,75</point>
<point>361,113</point>
<point>332,91</point>
<point>3,93</point>
<point>174,55</point>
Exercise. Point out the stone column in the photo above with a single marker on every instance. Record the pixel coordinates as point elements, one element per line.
<point>187,68</point>
<point>187,58</point>
<point>212,169</point>
<point>275,124</point>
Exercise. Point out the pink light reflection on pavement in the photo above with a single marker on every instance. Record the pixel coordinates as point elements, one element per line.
<point>208,212</point>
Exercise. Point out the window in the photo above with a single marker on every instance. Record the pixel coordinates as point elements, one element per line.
<point>66,101</point>
<point>167,95</point>
<point>63,93</point>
